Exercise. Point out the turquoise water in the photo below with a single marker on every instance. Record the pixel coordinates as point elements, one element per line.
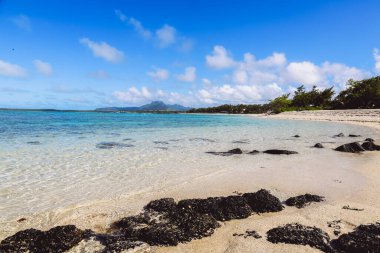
<point>51,160</point>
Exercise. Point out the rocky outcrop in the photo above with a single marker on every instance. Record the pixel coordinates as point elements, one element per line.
<point>353,147</point>
<point>318,145</point>
<point>300,235</point>
<point>303,200</point>
<point>279,152</point>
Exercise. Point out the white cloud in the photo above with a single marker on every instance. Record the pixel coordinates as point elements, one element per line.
<point>136,24</point>
<point>159,74</point>
<point>23,22</point>
<point>189,75</point>
<point>43,67</point>
<point>133,95</point>
<point>206,81</point>
<point>376,55</point>
<point>12,70</point>
<point>166,35</point>
<point>338,74</point>
<point>306,73</point>
<point>219,59</point>
<point>103,50</point>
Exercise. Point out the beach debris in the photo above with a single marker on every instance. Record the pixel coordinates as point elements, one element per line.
<point>221,208</point>
<point>338,181</point>
<point>318,145</point>
<point>353,135</point>
<point>370,146</point>
<point>235,151</point>
<point>202,139</point>
<point>58,239</point>
<point>303,200</point>
<point>369,139</point>
<point>34,142</point>
<point>254,152</point>
<point>241,142</point>
<point>249,233</point>
<point>263,201</point>
<point>353,147</point>
<point>353,208</point>
<point>21,220</point>
<point>161,142</point>
<point>338,135</point>
<point>301,235</point>
<point>109,145</point>
<point>279,152</point>
<point>296,136</point>
<point>335,224</point>
<point>364,238</point>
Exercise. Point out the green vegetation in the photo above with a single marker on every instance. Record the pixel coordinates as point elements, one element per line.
<point>364,94</point>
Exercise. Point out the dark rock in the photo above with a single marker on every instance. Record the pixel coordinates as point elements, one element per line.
<point>353,147</point>
<point>161,205</point>
<point>58,239</point>
<point>318,145</point>
<point>249,233</point>
<point>364,238</point>
<point>370,140</point>
<point>241,142</point>
<point>300,235</point>
<point>296,136</point>
<point>221,208</point>
<point>236,151</point>
<point>335,224</point>
<point>263,201</point>
<point>254,152</point>
<point>201,139</point>
<point>370,146</point>
<point>34,142</point>
<point>109,145</point>
<point>353,135</point>
<point>116,242</point>
<point>302,200</point>
<point>168,228</point>
<point>338,135</point>
<point>21,220</point>
<point>279,152</point>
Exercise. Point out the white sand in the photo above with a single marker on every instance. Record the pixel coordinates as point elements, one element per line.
<point>344,179</point>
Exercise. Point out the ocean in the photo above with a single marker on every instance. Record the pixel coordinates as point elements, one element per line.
<point>51,160</point>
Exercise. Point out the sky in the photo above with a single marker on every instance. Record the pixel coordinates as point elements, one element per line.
<point>89,54</point>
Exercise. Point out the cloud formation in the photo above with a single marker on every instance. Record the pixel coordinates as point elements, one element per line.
<point>159,74</point>
<point>11,70</point>
<point>219,58</point>
<point>22,22</point>
<point>103,50</point>
<point>43,67</point>
<point>166,36</point>
<point>189,75</point>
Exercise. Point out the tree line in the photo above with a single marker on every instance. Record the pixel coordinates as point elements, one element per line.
<point>364,94</point>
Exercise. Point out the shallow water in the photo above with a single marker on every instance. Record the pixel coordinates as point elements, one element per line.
<point>50,160</point>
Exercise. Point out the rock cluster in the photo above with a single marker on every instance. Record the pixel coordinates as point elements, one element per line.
<point>303,200</point>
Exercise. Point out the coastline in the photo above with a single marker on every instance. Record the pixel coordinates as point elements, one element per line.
<point>243,177</point>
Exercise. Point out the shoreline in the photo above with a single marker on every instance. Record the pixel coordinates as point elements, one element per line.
<point>242,177</point>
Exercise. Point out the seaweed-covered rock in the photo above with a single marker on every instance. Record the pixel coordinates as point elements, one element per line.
<point>338,135</point>
<point>249,233</point>
<point>353,135</point>
<point>58,239</point>
<point>161,205</point>
<point>109,145</point>
<point>116,242</point>
<point>235,151</point>
<point>302,200</point>
<point>300,235</point>
<point>369,139</point>
<point>364,238</point>
<point>370,146</point>
<point>353,147</point>
<point>279,152</point>
<point>254,152</point>
<point>221,208</point>
<point>296,136</point>
<point>263,201</point>
<point>169,228</point>
<point>318,145</point>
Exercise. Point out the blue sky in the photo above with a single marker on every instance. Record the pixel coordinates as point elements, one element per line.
<point>87,54</point>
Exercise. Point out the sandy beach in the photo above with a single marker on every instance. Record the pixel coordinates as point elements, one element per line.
<point>342,178</point>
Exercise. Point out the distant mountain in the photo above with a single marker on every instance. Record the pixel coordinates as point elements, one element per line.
<point>153,106</point>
